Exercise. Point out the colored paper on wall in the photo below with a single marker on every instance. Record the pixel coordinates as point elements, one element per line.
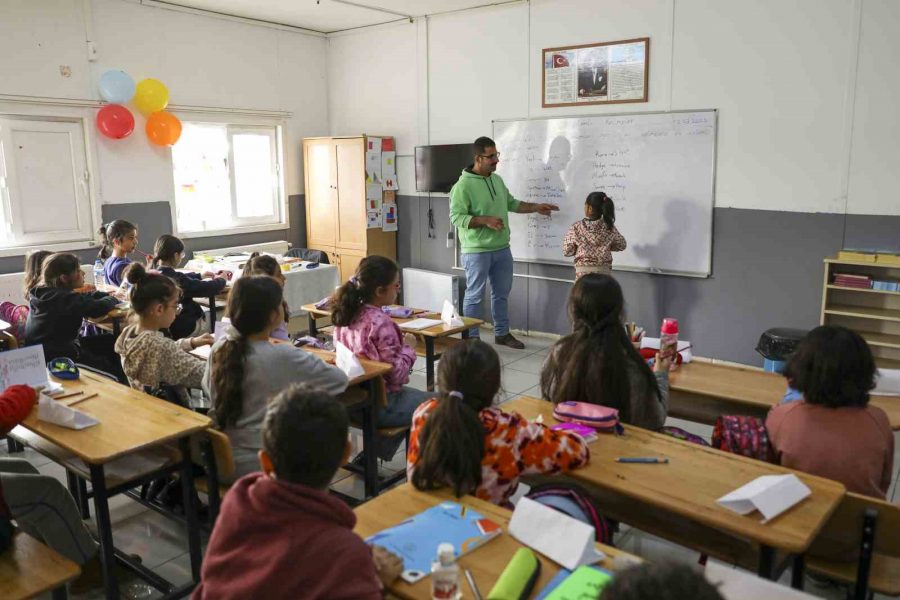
<point>373,196</point>
<point>387,144</point>
<point>389,217</point>
<point>373,219</point>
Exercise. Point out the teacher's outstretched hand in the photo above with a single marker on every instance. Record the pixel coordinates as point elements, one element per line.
<point>546,209</point>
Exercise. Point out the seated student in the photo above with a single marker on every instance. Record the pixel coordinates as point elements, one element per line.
<point>119,239</point>
<point>56,312</point>
<point>263,264</point>
<point>660,581</point>
<point>280,533</point>
<point>33,265</point>
<point>245,370</point>
<point>149,358</point>
<point>362,326</point>
<point>461,440</point>
<point>40,504</point>
<point>597,362</point>
<point>833,432</point>
<point>167,255</point>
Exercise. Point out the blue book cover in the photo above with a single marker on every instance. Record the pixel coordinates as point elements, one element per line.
<point>416,539</point>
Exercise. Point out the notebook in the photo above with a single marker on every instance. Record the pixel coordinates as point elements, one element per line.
<point>417,324</point>
<point>416,539</point>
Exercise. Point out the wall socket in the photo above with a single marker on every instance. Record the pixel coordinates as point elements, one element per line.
<point>450,239</point>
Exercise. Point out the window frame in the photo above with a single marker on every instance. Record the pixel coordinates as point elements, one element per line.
<point>235,124</point>
<point>75,115</point>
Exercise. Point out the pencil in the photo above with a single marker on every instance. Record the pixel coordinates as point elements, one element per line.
<point>64,396</point>
<point>476,593</point>
<point>651,460</point>
<point>88,397</point>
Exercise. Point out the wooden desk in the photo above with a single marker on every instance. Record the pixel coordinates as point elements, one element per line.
<point>686,490</point>
<point>486,563</point>
<point>111,321</point>
<point>371,381</point>
<point>701,392</point>
<point>29,569</point>
<point>129,421</point>
<point>432,336</point>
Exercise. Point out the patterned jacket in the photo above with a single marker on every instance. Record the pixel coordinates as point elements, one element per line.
<point>513,447</point>
<point>373,335</point>
<point>150,358</point>
<point>592,243</point>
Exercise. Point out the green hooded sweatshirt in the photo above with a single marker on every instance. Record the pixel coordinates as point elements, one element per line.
<point>477,196</point>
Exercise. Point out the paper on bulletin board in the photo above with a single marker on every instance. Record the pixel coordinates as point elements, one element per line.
<point>389,217</point>
<point>373,196</point>
<point>373,159</point>
<point>373,219</point>
<point>389,170</point>
<point>387,144</point>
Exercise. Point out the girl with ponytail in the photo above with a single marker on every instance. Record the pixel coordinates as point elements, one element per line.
<point>264,264</point>
<point>118,239</point>
<point>363,327</point>
<point>593,239</point>
<point>149,358</point>
<point>245,370</point>
<point>461,440</point>
<point>597,363</point>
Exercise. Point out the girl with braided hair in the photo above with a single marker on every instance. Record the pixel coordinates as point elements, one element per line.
<point>597,363</point>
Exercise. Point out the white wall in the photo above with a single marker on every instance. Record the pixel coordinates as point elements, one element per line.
<point>806,98</point>
<point>204,61</point>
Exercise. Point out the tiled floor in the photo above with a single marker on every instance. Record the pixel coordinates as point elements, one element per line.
<point>162,544</point>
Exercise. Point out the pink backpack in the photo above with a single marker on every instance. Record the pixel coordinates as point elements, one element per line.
<point>601,418</point>
<point>15,315</point>
<point>743,435</point>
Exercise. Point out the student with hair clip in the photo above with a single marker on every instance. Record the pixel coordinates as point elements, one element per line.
<point>362,326</point>
<point>833,431</point>
<point>597,363</point>
<point>245,370</point>
<point>119,239</point>
<point>280,534</point>
<point>593,239</point>
<point>168,252</point>
<point>263,264</point>
<point>57,310</point>
<point>463,441</point>
<point>149,358</point>
<point>33,265</point>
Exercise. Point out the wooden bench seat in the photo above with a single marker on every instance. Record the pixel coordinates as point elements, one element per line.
<point>29,568</point>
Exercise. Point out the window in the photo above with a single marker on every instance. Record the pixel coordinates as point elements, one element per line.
<point>44,183</point>
<point>227,176</point>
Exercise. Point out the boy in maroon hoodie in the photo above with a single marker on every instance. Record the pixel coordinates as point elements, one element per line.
<point>280,534</point>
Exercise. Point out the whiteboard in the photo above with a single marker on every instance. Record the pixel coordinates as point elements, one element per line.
<point>659,169</point>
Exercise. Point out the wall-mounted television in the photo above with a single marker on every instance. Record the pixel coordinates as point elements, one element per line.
<point>438,167</point>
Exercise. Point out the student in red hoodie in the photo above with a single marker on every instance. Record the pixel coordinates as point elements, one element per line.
<point>280,534</point>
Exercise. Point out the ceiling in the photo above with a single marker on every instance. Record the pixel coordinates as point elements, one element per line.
<point>328,16</point>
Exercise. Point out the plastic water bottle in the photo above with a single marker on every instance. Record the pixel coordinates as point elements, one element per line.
<point>99,279</point>
<point>445,574</point>
<point>668,338</point>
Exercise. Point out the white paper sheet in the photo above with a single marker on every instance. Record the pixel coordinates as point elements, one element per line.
<point>771,495</point>
<point>23,366</point>
<point>373,196</point>
<point>346,361</point>
<point>389,217</point>
<point>417,324</point>
<point>373,160</point>
<point>557,536</point>
<point>389,170</point>
<point>52,411</point>
<point>887,382</point>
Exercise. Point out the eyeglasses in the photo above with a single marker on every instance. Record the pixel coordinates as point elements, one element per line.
<point>491,156</point>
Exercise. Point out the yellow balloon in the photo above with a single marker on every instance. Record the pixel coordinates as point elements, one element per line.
<point>151,96</point>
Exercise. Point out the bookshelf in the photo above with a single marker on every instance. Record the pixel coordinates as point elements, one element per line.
<point>874,314</point>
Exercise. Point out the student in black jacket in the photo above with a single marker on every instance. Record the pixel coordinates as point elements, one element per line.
<point>57,310</point>
<point>167,255</point>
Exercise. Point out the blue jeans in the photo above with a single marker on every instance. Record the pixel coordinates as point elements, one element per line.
<point>498,267</point>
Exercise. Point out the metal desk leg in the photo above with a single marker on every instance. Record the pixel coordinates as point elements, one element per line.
<point>104,531</point>
<point>311,324</point>
<point>797,571</point>
<point>429,363</point>
<point>60,593</point>
<point>212,314</point>
<point>117,327</point>
<point>371,466</point>
<point>766,562</point>
<point>190,507</point>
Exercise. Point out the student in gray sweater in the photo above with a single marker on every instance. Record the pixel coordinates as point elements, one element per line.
<point>245,371</point>
<point>597,363</point>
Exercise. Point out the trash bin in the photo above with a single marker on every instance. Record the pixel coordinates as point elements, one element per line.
<point>775,345</point>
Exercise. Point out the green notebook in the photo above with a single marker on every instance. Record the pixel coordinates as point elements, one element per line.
<point>585,582</point>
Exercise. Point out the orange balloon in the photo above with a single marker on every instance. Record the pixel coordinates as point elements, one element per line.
<point>163,129</point>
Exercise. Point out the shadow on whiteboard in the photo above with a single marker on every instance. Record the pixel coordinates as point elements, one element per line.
<point>662,240</point>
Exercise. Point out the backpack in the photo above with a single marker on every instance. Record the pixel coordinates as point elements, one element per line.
<point>15,315</point>
<point>574,501</point>
<point>743,435</point>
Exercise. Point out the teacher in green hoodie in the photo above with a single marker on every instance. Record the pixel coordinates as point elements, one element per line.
<point>479,209</point>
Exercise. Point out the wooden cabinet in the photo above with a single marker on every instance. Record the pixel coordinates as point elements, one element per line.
<point>874,314</point>
<point>335,174</point>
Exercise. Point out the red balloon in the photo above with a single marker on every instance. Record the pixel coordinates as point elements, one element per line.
<point>115,121</point>
<point>163,128</point>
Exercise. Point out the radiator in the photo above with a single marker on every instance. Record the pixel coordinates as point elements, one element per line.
<point>429,289</point>
<point>11,284</point>
<point>279,247</point>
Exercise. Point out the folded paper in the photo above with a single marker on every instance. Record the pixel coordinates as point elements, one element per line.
<point>449,316</point>
<point>346,361</point>
<point>559,537</point>
<point>51,411</point>
<point>771,495</point>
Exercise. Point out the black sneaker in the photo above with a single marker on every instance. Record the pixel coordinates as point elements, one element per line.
<point>509,341</point>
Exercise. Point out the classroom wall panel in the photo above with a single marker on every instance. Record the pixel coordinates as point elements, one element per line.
<point>874,176</point>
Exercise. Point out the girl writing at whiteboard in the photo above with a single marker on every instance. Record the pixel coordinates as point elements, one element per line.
<point>593,239</point>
